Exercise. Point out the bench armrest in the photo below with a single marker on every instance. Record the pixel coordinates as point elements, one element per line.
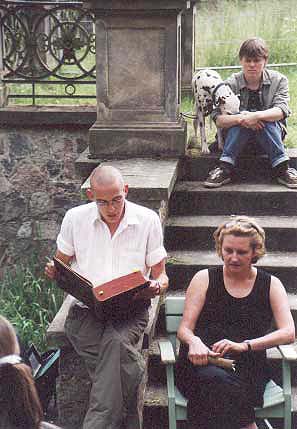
<point>289,355</point>
<point>288,352</point>
<point>166,352</point>
<point>168,358</point>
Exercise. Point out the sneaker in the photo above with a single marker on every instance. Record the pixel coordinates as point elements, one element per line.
<point>288,178</point>
<point>217,177</point>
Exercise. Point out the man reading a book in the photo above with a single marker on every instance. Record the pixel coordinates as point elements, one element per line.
<point>103,240</point>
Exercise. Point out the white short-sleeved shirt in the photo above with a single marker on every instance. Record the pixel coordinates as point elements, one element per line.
<point>137,243</point>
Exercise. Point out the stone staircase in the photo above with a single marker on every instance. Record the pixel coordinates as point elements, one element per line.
<point>194,213</point>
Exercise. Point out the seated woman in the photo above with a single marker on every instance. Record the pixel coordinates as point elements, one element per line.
<point>228,312</point>
<point>20,407</point>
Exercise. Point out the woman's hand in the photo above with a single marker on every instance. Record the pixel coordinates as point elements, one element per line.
<point>199,352</point>
<point>225,346</point>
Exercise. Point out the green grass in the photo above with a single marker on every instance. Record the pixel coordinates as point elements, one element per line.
<point>55,90</point>
<point>30,301</point>
<point>226,23</point>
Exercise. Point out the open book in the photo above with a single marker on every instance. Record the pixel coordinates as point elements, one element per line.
<point>82,289</point>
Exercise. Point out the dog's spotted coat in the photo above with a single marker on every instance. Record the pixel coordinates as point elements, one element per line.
<point>210,91</point>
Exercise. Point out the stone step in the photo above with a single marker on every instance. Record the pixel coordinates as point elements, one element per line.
<point>155,415</point>
<point>196,232</point>
<point>148,179</point>
<point>251,199</point>
<point>250,168</point>
<point>183,264</point>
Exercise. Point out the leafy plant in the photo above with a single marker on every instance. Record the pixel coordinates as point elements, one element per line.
<point>30,301</point>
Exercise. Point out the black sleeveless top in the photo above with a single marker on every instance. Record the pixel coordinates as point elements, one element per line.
<point>237,319</point>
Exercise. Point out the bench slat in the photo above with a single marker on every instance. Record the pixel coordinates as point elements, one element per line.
<point>174,305</point>
<point>172,323</point>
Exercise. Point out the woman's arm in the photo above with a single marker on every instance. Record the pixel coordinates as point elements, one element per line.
<point>195,299</point>
<point>285,328</point>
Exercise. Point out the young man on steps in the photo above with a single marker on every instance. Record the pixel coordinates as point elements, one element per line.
<point>263,110</point>
<point>102,240</point>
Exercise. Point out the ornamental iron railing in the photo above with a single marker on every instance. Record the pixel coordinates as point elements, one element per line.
<point>47,50</point>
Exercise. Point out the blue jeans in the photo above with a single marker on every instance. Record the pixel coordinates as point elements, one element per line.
<point>269,138</point>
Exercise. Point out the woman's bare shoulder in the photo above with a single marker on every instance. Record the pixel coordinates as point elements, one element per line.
<point>199,283</point>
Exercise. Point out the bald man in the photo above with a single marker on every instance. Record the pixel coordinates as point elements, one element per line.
<point>104,239</point>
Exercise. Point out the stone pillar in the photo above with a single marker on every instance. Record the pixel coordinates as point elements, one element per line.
<point>188,47</point>
<point>138,79</point>
<point>3,87</point>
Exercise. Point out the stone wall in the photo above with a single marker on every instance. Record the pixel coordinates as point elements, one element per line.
<point>38,182</point>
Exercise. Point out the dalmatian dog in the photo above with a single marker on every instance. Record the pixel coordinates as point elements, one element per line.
<point>209,92</point>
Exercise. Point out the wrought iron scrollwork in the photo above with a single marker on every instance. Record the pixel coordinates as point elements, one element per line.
<point>47,41</point>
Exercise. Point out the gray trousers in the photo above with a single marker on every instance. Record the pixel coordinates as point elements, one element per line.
<point>110,351</point>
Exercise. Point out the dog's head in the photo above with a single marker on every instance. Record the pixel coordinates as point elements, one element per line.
<point>206,78</point>
<point>203,84</point>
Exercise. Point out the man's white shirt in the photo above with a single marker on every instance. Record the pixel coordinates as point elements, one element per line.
<point>137,243</point>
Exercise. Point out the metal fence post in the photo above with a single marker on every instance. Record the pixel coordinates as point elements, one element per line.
<point>3,86</point>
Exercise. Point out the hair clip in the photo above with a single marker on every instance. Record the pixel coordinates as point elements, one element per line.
<point>10,359</point>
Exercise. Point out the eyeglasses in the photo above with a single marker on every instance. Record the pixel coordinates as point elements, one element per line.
<point>243,223</point>
<point>115,202</point>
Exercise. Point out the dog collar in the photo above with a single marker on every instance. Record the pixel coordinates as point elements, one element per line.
<point>214,92</point>
<point>10,359</point>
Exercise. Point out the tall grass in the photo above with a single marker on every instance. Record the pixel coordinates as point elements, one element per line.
<point>222,25</point>
<point>30,301</point>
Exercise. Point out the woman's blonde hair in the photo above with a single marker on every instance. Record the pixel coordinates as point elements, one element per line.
<point>242,226</point>
<point>18,395</point>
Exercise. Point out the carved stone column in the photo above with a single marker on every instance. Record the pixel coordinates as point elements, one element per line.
<point>188,47</point>
<point>138,78</point>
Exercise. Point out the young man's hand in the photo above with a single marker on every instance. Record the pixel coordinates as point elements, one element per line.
<point>149,292</point>
<point>50,270</point>
<point>251,120</point>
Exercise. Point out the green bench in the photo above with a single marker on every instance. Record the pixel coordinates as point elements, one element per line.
<point>277,400</point>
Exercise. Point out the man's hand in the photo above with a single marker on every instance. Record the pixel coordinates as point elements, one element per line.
<point>198,352</point>
<point>150,291</point>
<point>226,346</point>
<point>50,270</point>
<point>251,120</point>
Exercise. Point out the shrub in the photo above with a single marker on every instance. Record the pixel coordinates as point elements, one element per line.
<point>30,301</point>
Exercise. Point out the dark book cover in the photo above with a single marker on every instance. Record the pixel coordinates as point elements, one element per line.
<point>82,289</point>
